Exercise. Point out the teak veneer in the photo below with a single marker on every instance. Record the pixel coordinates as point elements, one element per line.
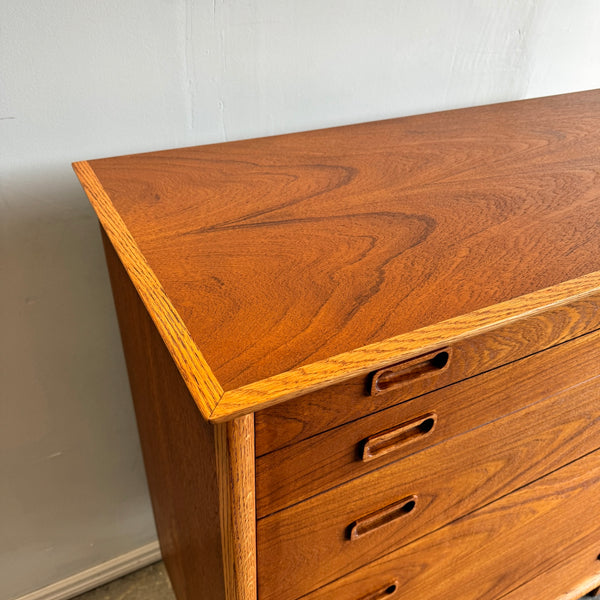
<point>324,461</point>
<point>365,360</point>
<point>309,541</point>
<point>469,558</point>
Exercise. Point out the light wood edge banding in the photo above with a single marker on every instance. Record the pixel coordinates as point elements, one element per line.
<point>234,443</point>
<point>345,366</point>
<point>200,380</point>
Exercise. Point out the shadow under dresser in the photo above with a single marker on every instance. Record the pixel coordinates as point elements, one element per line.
<point>365,360</point>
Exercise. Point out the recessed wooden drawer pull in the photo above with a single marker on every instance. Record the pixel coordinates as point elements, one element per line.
<point>420,367</point>
<point>382,517</point>
<point>384,593</point>
<point>397,437</point>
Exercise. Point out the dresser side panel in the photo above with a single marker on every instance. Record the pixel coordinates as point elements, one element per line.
<point>178,446</point>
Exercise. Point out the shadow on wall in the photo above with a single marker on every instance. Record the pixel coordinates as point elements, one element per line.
<point>69,445</point>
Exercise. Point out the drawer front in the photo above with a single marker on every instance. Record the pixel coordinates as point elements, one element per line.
<point>303,417</point>
<point>292,474</point>
<point>329,535</point>
<point>492,551</point>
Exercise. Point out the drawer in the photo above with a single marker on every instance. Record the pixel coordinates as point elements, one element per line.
<point>303,417</point>
<point>333,533</point>
<point>492,551</point>
<point>294,473</point>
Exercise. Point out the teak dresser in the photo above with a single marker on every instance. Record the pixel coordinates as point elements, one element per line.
<point>365,360</point>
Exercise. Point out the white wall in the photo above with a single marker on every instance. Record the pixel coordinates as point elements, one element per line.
<point>87,78</point>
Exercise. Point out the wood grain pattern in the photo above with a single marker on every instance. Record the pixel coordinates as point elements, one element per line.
<point>178,448</point>
<point>309,541</point>
<point>201,382</point>
<point>297,261</point>
<point>292,474</point>
<point>235,472</point>
<point>494,550</point>
<point>310,414</point>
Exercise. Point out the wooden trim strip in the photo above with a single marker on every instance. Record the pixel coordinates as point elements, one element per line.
<point>234,442</point>
<point>293,383</point>
<point>199,378</point>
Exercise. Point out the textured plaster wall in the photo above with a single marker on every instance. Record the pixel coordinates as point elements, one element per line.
<point>86,78</point>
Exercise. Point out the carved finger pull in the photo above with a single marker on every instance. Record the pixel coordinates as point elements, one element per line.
<point>421,367</point>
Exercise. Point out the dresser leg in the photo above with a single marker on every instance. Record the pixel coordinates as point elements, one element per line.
<point>234,444</point>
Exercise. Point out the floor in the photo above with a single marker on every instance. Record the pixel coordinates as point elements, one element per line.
<point>150,583</point>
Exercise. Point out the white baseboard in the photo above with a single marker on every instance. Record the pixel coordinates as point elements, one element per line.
<point>98,575</point>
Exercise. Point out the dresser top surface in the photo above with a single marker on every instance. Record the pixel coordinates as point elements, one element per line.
<point>282,251</point>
